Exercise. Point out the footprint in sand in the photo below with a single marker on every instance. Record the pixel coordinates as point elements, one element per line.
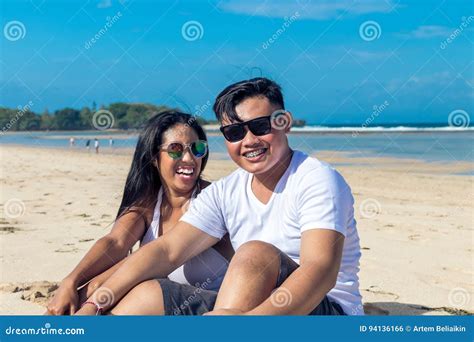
<point>9,230</point>
<point>38,292</point>
<point>65,250</point>
<point>376,290</point>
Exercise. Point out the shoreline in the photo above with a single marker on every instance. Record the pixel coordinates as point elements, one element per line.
<point>214,129</point>
<point>341,158</point>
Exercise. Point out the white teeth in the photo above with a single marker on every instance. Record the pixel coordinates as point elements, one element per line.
<point>254,153</point>
<point>185,171</point>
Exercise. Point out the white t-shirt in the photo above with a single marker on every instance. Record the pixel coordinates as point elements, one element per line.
<point>309,195</point>
<point>206,270</point>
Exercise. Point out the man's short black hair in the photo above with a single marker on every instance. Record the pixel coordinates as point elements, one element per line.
<point>234,94</point>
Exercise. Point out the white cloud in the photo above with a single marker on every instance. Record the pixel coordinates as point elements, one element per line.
<point>424,81</point>
<point>429,31</point>
<point>368,56</point>
<point>104,4</point>
<point>307,9</point>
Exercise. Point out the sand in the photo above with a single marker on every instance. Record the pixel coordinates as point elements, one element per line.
<point>415,222</point>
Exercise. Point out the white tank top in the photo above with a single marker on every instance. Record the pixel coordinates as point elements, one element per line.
<point>205,270</point>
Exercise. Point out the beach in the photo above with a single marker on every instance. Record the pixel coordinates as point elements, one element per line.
<point>415,221</point>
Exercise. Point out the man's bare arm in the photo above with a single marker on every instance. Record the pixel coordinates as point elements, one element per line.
<point>321,253</point>
<point>157,259</point>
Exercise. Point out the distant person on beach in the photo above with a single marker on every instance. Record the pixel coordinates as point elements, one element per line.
<point>111,143</point>
<point>72,142</point>
<point>96,145</point>
<point>165,175</point>
<point>88,145</point>
<point>290,218</point>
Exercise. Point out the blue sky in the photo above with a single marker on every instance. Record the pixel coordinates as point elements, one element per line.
<point>332,70</point>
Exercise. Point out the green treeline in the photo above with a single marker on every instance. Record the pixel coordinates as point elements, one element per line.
<point>124,116</point>
<point>118,115</point>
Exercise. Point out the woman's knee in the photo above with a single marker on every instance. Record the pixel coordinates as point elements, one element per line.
<point>144,299</point>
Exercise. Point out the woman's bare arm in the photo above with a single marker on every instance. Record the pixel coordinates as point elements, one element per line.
<point>105,253</point>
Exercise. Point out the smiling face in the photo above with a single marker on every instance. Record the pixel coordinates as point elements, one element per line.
<point>259,155</point>
<point>179,175</point>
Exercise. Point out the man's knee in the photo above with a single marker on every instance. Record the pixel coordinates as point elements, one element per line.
<point>257,248</point>
<point>257,254</point>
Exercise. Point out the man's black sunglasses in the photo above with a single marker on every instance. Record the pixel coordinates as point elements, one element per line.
<point>236,132</point>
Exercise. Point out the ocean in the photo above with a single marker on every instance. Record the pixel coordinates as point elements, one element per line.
<point>428,143</point>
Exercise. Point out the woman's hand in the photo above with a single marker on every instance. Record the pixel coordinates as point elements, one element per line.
<point>65,300</point>
<point>88,309</point>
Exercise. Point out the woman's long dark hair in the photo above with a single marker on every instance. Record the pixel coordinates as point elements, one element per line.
<point>143,180</point>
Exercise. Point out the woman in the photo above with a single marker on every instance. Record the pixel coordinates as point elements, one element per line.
<point>165,175</point>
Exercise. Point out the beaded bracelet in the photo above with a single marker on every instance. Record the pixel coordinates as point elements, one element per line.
<point>98,307</point>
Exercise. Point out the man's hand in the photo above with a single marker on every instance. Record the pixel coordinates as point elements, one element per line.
<point>65,300</point>
<point>224,312</point>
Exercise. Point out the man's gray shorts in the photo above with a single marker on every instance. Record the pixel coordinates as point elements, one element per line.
<point>182,299</point>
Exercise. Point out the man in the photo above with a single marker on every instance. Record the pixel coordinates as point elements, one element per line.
<point>290,219</point>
